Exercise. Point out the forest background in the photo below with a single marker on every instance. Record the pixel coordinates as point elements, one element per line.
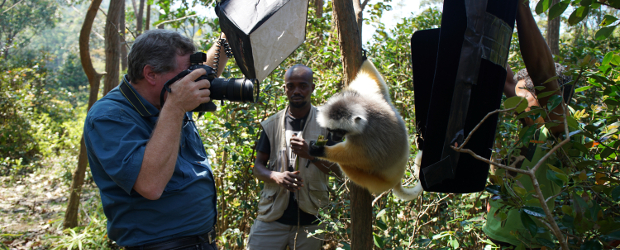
<point>44,96</point>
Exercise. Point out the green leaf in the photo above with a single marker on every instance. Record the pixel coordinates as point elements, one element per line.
<point>542,6</point>
<point>551,79</point>
<point>615,60</point>
<point>607,58</point>
<point>527,133</point>
<point>553,102</point>
<point>615,194</point>
<point>585,2</point>
<point>608,20</point>
<point>566,209</point>
<point>381,225</point>
<point>545,242</point>
<point>535,113</point>
<point>519,190</point>
<point>558,9</point>
<point>604,32</point>
<point>528,223</point>
<point>614,3</point>
<point>572,122</point>
<point>578,15</point>
<point>583,89</point>
<point>591,245</point>
<point>611,102</point>
<point>514,101</point>
<point>378,241</point>
<point>552,177</point>
<point>494,189</point>
<point>546,93</point>
<point>606,152</point>
<point>614,235</point>
<point>534,211</point>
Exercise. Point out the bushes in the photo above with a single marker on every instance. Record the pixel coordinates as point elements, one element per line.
<point>34,122</point>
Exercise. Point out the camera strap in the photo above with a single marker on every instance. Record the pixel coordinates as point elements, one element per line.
<point>167,86</point>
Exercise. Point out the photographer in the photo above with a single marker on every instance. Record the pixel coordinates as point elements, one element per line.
<point>155,180</point>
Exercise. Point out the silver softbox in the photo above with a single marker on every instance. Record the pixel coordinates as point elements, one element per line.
<point>262,33</point>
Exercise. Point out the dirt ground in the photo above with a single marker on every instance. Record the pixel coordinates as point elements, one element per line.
<point>32,209</point>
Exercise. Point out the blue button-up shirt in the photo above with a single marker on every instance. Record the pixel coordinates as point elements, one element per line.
<point>116,131</point>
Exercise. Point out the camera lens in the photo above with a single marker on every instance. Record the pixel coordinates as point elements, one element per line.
<point>233,89</point>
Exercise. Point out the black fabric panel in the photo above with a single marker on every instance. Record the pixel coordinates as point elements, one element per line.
<point>453,26</point>
<point>470,174</point>
<point>424,45</point>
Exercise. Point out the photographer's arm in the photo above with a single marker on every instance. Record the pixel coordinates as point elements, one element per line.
<point>223,59</point>
<point>538,59</point>
<point>162,149</point>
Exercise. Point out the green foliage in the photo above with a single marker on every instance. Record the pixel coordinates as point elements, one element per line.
<point>18,17</point>
<point>36,122</point>
<point>581,9</point>
<point>92,236</point>
<point>586,210</point>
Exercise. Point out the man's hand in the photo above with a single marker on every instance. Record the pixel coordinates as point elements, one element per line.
<point>300,147</point>
<point>187,94</point>
<point>289,180</point>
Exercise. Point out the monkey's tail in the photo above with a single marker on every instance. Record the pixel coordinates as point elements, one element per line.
<point>408,194</point>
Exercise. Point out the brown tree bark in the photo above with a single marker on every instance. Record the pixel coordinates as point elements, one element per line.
<point>123,40</point>
<point>140,13</point>
<point>71,213</point>
<point>553,33</point>
<point>148,17</point>
<point>318,5</point>
<point>112,45</point>
<point>351,47</point>
<point>350,38</point>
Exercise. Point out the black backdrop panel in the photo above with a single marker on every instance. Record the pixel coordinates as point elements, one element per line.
<point>423,47</point>
<point>441,172</point>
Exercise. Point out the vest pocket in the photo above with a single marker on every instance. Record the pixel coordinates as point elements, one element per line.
<point>318,194</point>
<point>267,198</point>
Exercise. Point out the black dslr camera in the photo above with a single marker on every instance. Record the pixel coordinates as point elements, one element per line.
<point>233,89</point>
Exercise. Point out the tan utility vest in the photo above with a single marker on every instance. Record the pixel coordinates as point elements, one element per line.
<point>313,195</point>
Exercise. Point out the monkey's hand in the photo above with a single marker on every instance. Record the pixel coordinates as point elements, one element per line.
<point>315,150</point>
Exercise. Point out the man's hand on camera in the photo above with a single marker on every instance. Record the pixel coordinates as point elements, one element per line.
<point>186,94</point>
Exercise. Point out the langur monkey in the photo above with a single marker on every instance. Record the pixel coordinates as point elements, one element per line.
<point>375,151</point>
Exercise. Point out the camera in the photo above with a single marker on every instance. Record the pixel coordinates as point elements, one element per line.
<point>233,89</point>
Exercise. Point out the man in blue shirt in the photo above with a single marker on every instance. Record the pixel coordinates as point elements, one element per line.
<point>155,180</point>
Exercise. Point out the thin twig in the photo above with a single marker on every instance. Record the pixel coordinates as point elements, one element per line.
<point>484,119</point>
<point>11,6</point>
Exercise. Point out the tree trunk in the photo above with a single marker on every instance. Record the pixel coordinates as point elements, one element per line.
<point>123,40</point>
<point>351,46</point>
<point>148,17</point>
<point>553,33</point>
<point>71,213</point>
<point>139,18</point>
<point>350,38</point>
<point>112,46</point>
<point>318,5</point>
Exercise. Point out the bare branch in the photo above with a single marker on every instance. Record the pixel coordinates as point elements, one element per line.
<point>178,19</point>
<point>11,6</point>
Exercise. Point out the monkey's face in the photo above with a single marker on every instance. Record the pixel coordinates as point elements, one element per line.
<point>343,115</point>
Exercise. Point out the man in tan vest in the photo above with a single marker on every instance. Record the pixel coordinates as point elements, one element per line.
<point>295,182</point>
